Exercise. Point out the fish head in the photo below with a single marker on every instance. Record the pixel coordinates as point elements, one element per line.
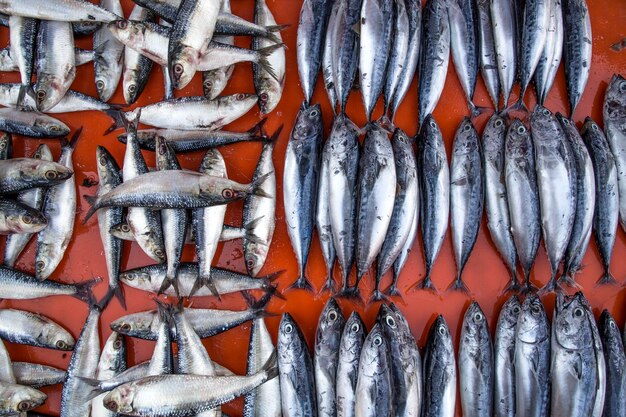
<point>615,100</point>
<point>493,136</point>
<point>51,88</point>
<point>128,32</point>
<point>222,190</point>
<point>53,335</point>
<point>475,327</point>
<point>122,231</point>
<point>141,325</point>
<point>25,221</point>
<point>114,352</point>
<point>6,143</point>
<point>108,169</point>
<point>106,83</point>
<point>352,337</point>
<point>43,173</point>
<point>388,321</point>
<point>182,65</point>
<point>137,278</point>
<point>269,95</point>
<point>291,344</point>
<point>329,327</point>
<point>518,143</point>
<point>131,89</point>
<point>20,398</point>
<point>510,312</point>
<point>255,255</point>
<point>308,122</point>
<point>571,323</point>
<point>439,337</point>
<point>47,126</point>
<point>120,399</point>
<point>43,152</point>
<point>374,354</point>
<point>46,253</point>
<point>466,138</point>
<point>610,333</point>
<point>590,129</point>
<point>532,324</point>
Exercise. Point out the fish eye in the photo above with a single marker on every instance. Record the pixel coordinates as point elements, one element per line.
<point>41,94</point>
<point>100,85</point>
<point>228,193</point>
<point>27,219</point>
<point>159,253</point>
<point>40,265</point>
<point>264,97</point>
<point>125,327</point>
<point>594,126</point>
<point>288,328</point>
<point>240,96</point>
<point>117,344</point>
<point>432,124</point>
<point>498,123</point>
<point>250,262</point>
<point>130,277</point>
<point>579,312</point>
<point>515,310</point>
<point>122,24</point>
<point>622,86</point>
<point>51,175</point>
<point>441,330</point>
<point>208,84</point>
<point>125,228</point>
<point>178,69</point>
<point>355,328</point>
<point>102,160</point>
<point>466,128</point>
<point>332,315</point>
<point>132,88</point>
<point>521,129</point>
<point>390,322</point>
<point>61,344</point>
<point>314,113</point>
<point>4,144</point>
<point>478,317</point>
<point>378,341</point>
<point>24,406</point>
<point>162,148</point>
<point>535,309</point>
<point>54,128</point>
<point>546,112</point>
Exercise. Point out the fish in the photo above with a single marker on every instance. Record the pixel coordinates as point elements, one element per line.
<point>214,81</point>
<point>585,201</point>
<point>434,177</point>
<point>551,54</point>
<point>398,265</point>
<point>476,370</point>
<point>22,37</point>
<point>373,388</point>
<point>532,359</point>
<point>411,57</point>
<point>343,148</point>
<point>534,34</point>
<point>466,196</point>
<point>55,63</point>
<point>33,329</point>
<point>405,362</point>
<point>350,348</point>
<point>189,113</point>
<point>137,67</point>
<point>18,285</point>
<point>112,362</point>
<point>327,64</point>
<point>487,56</point>
<point>72,101</point>
<point>577,51</point>
<point>601,372</point>
<point>300,179</point>
<point>109,60</point>
<point>322,219</point>
<point>6,371</point>
<point>439,369</point>
<point>149,278</point>
<point>16,399</point>
<point>504,359</point>
<point>405,206</point>
<point>573,364</point>
<point>399,48</point>
<point>297,386</point>
<point>59,207</point>
<point>614,114</point>
<point>168,84</point>
<point>6,146</point>
<point>326,356</point>
<point>36,375</point>
<point>436,49</point>
<point>310,43</point>
<point>346,49</point>
<point>556,182</point>
<point>465,47</point>
<point>614,401</point>
<point>20,174</point>
<point>264,401</point>
<point>191,32</point>
<point>32,124</point>
<point>505,36</point>
<point>60,10</point>
<point>522,196</point>
<point>496,199</point>
<point>606,213</point>
<point>16,217</point>
<point>376,34</point>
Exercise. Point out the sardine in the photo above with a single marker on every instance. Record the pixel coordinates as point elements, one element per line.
<point>61,10</point>
<point>112,362</point>
<point>534,34</point>
<point>346,45</point>
<point>487,56</point>
<point>109,60</point>
<point>214,81</point>
<point>36,375</point>
<point>17,326</point>
<point>351,345</point>
<point>16,217</point>
<point>72,101</point>
<point>22,36</point>
<point>615,400</point>
<point>614,114</point>
<point>32,124</point>
<point>19,174</point>
<point>551,54</point>
<point>16,399</point>
<point>17,285</point>
<point>374,393</point>
<point>137,67</point>
<point>439,372</point>
<point>576,50</point>
<point>504,359</point>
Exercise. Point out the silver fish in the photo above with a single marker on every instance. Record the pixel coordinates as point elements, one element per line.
<point>17,285</point>
<point>112,362</point>
<point>59,207</point>
<point>606,212</point>
<point>551,54</point>
<point>61,10</point>
<point>577,49</point>
<point>504,359</point>
<point>398,265</point>
<point>532,359</point>
<point>439,372</point>
<point>16,399</point>
<point>22,36</point>
<point>326,357</point>
<point>109,61</point>
<point>19,174</point>
<point>32,124</point>
<point>522,195</point>
<point>72,101</point>
<point>162,360</point>
<point>614,115</point>
<point>16,217</point>
<point>36,375</point>
<point>214,81</point>
<point>168,84</point>
<point>322,219</point>
<point>137,67</point>
<point>352,339</point>
<point>328,72</point>
<point>346,45</point>
<point>33,329</point>
<point>534,35</point>
<point>488,58</point>
<point>399,48</point>
<point>466,196</point>
<point>614,401</point>
<point>496,200</point>
<point>504,24</point>
<point>476,364</point>
<point>373,388</point>
<point>601,373</point>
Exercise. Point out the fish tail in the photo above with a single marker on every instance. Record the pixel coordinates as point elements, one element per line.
<point>567,278</point>
<point>606,279</point>
<point>19,104</point>
<point>204,281</point>
<point>263,61</point>
<point>249,231</point>
<point>169,281</point>
<point>93,202</point>
<point>271,36</point>
<point>117,292</point>
<point>72,143</point>
<point>274,138</point>
<point>458,285</point>
<point>166,311</point>
<point>302,283</point>
<point>377,295</point>
<point>84,290</point>
<point>550,287</point>
<point>259,306</point>
<point>256,185</point>
<point>477,110</point>
<point>277,28</point>
<point>528,286</point>
<point>513,285</point>
<point>392,290</point>
<point>329,285</point>
<point>93,387</point>
<point>118,119</point>
<point>257,129</point>
<point>271,366</point>
<point>351,293</point>
<point>386,122</point>
<point>425,284</point>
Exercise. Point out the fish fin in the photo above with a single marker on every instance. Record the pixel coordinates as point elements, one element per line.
<point>458,285</point>
<point>260,305</point>
<point>84,290</point>
<point>118,119</point>
<point>512,286</point>
<point>165,310</point>
<point>568,279</point>
<point>425,284</point>
<point>167,282</point>
<point>203,281</point>
<point>93,387</point>
<point>606,279</point>
<point>98,53</point>
<point>393,291</point>
<point>72,143</point>
<point>93,202</point>
<point>550,287</point>
<point>302,283</point>
<point>519,105</point>
<point>528,287</point>
<point>19,104</point>
<point>377,295</point>
<point>265,63</point>
<point>277,28</point>
<point>386,123</point>
<point>118,292</point>
<point>256,185</point>
<point>329,284</point>
<point>249,231</point>
<point>351,293</point>
<point>257,129</point>
<point>271,366</point>
<point>356,28</point>
<point>274,138</point>
<point>271,36</point>
<point>477,110</point>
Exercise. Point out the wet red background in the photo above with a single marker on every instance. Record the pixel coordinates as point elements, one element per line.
<point>485,273</point>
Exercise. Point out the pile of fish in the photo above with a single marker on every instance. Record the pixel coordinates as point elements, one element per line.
<point>573,368</point>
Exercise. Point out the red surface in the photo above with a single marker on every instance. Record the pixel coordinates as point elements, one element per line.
<point>485,273</point>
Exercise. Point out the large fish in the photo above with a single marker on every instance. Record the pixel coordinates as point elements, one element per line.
<point>399,47</point>
<point>576,50</point>
<point>352,339</point>
<point>374,392</point>
<point>300,184</point>
<point>614,115</point>
<point>17,399</point>
<point>327,64</point>
<point>346,44</point>
<point>551,54</point>
<point>504,359</point>
<point>19,174</point>
<point>17,285</point>
<point>439,372</point>
<point>19,218</point>
<point>615,399</point>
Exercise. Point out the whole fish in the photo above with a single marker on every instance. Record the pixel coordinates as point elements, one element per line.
<point>346,45</point>
<point>16,217</point>
<point>264,401</point>
<point>109,177</point>
<point>556,182</point>
<point>487,56</point>
<point>300,183</point>
<point>399,47</point>
<point>434,177</point>
<point>534,34</point>
<point>269,87</point>
<point>56,64</point>
<point>17,285</point>
<point>72,101</point>
<point>19,174</point>
<point>311,32</point>
<point>376,193</point>
<point>191,32</point>
<point>374,393</point>
<point>376,33</point>
<point>585,201</point>
<point>61,10</point>
<point>496,201</point>
<point>577,50</point>
<point>504,359</point>
<point>505,32</point>
<point>398,265</point>
<point>532,359</point>
<point>32,124</point>
<point>59,207</point>
<point>328,73</point>
<point>322,218</point>
<point>326,357</point>
<point>522,195</point>
<point>439,372</point>
<point>22,36</point>
<point>476,371</point>
<point>297,386</point>
<point>405,206</point>
<point>36,375</point>
<point>606,213</point>
<point>137,67</point>
<point>614,401</point>
<point>436,49</point>
<point>466,196</point>
<point>17,399</point>
<point>465,46</point>
<point>551,54</point>
<point>350,347</point>
<point>614,115</point>
<point>343,144</point>
<point>112,362</point>
<point>573,363</point>
<point>109,61</point>
<point>405,362</point>
<point>17,326</point>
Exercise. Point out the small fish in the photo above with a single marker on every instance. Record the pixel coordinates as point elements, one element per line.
<point>346,45</point>
<point>614,401</point>
<point>112,362</point>
<point>214,81</point>
<point>577,50</point>
<point>504,359</point>
<point>19,174</point>
<point>614,115</point>
<point>466,196</point>
<point>399,48</point>
<point>488,58</point>
<point>373,388</point>
<point>297,386</point>
<point>300,180</point>
<point>109,60</point>
<point>32,124</point>
<point>522,195</point>
<point>17,399</point>
<point>268,86</point>
<point>551,54</point>
<point>322,218</point>
<point>439,372</point>
<point>36,375</point>
<point>137,67</point>
<point>505,35</point>
<point>72,101</point>
<point>62,10</point>
<point>17,326</point>
<point>476,364</point>
<point>22,37</point>
<point>350,347</point>
<point>16,217</point>
<point>17,285</point>
<point>606,212</point>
